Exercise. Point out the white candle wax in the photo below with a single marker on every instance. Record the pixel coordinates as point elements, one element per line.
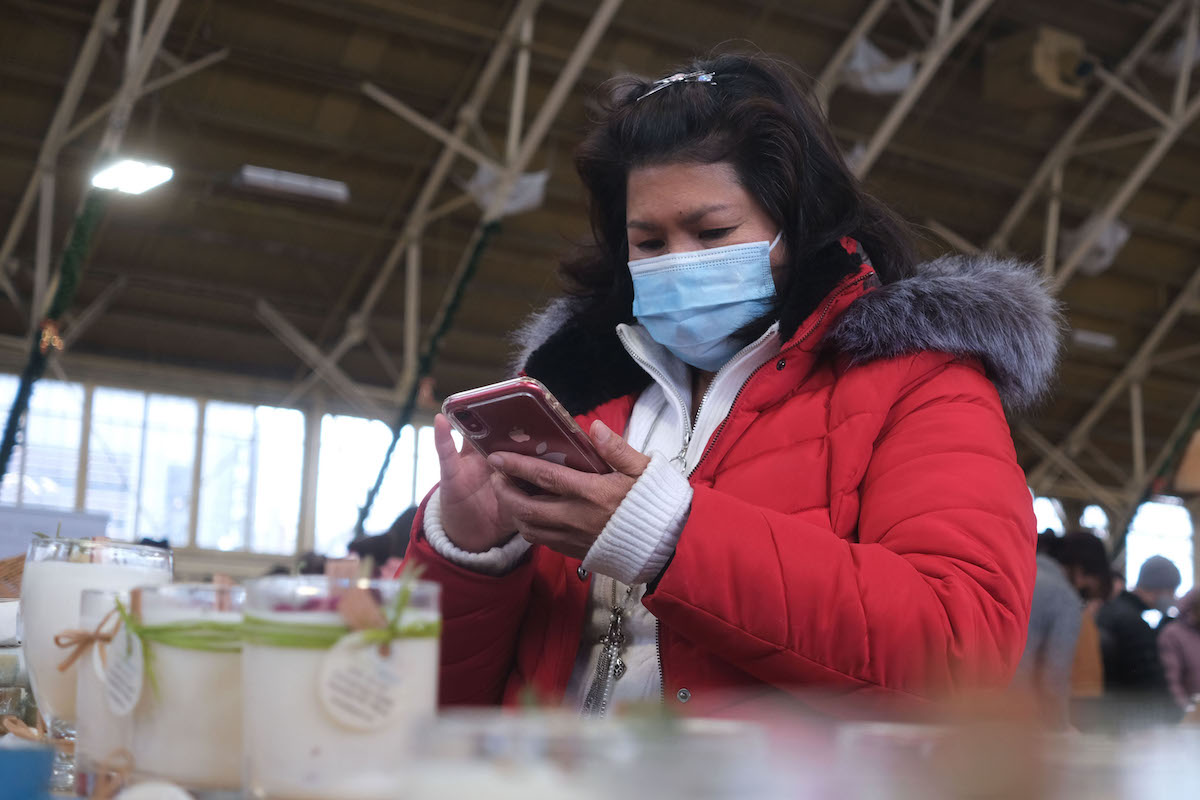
<point>190,730</point>
<point>50,593</point>
<point>296,750</point>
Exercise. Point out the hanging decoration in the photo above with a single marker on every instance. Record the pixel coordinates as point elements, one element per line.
<point>49,339</point>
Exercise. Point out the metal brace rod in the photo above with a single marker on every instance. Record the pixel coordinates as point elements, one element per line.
<point>1138,486</point>
<point>433,184</point>
<point>931,60</point>
<point>1119,86</point>
<point>1109,466</point>
<point>419,120</point>
<point>1059,153</point>
<point>828,80</point>
<point>533,139</point>
<point>1075,440</point>
<point>1132,184</point>
<point>1181,354</point>
<point>137,23</point>
<point>41,263</point>
<point>94,311</point>
<point>383,357</point>
<point>13,296</point>
<point>299,344</point>
<point>412,309</point>
<point>135,78</point>
<point>953,238</point>
<point>945,16</point>
<point>187,70</point>
<point>67,104</point>
<point>1053,217</point>
<point>1069,466</point>
<point>1114,142</point>
<point>1191,27</point>
<point>1137,425</point>
<point>516,112</point>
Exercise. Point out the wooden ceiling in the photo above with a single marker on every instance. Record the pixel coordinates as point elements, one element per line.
<point>198,252</point>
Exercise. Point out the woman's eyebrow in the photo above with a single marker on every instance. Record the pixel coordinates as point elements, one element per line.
<point>690,218</point>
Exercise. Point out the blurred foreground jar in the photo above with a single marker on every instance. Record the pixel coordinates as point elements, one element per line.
<point>522,755</point>
<point>187,716</point>
<point>336,673</point>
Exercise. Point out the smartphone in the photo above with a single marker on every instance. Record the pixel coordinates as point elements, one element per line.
<point>522,416</point>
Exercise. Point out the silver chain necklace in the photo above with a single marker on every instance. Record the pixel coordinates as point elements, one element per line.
<point>609,667</point>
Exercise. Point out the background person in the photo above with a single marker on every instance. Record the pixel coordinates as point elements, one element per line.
<point>1179,651</point>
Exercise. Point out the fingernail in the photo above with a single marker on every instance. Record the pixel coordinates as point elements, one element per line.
<point>601,432</point>
<point>496,460</point>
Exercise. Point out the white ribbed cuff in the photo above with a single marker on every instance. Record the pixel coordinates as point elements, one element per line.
<point>497,561</point>
<point>642,533</point>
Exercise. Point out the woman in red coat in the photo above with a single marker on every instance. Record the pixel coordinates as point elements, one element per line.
<point>815,492</point>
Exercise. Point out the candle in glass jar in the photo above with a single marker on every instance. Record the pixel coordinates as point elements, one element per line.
<point>298,745</point>
<point>187,724</point>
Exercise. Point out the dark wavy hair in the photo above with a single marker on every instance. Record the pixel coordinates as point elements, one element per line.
<point>757,116</point>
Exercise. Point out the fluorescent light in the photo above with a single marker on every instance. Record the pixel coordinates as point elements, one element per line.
<point>132,177</point>
<point>280,181</point>
<point>1094,339</point>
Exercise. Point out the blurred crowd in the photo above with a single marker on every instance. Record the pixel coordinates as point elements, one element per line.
<point>1104,656</point>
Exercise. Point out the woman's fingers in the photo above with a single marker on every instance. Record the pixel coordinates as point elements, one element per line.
<point>548,476</point>
<point>443,442</point>
<point>546,511</point>
<point>617,452</point>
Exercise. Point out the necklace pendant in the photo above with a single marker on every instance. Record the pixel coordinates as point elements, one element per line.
<point>618,668</point>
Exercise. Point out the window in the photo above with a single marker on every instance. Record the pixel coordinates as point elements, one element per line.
<point>251,470</point>
<point>1161,528</point>
<point>352,450</point>
<point>153,459</point>
<point>140,460</point>
<point>44,469</point>
<point>1048,515</point>
<point>1095,520</point>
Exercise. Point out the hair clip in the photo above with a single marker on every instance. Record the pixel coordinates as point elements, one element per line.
<point>679,77</point>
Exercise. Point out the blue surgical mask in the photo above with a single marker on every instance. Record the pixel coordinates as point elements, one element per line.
<point>692,303</point>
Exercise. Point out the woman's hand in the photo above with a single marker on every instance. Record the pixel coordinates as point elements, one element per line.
<point>578,504</point>
<point>471,513</point>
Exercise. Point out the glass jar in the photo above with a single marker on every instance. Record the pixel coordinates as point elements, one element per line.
<point>329,712</point>
<point>187,722</point>
<point>55,575</point>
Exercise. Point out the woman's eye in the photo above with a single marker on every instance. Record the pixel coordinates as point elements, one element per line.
<point>712,234</point>
<point>650,244</point>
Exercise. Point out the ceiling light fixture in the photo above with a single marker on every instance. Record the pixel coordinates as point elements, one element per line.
<point>131,176</point>
<point>278,181</point>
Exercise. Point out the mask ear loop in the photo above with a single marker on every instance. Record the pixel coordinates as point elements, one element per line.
<point>775,241</point>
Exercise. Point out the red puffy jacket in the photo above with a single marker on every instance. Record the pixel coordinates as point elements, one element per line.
<point>859,522</point>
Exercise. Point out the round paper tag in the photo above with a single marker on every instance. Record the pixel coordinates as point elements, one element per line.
<point>124,674</point>
<point>358,686</point>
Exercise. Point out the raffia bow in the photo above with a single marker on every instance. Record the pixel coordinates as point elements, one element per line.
<point>81,640</point>
<point>17,727</point>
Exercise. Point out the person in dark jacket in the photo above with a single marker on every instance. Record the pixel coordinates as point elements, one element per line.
<point>1133,671</point>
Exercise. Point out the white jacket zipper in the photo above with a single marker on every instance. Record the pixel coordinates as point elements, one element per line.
<point>668,388</point>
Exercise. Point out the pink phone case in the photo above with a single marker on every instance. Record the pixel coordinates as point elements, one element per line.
<point>522,416</point>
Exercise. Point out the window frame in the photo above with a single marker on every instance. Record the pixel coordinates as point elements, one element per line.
<point>306,517</point>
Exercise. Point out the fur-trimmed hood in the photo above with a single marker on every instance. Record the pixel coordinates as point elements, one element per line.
<point>999,311</point>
